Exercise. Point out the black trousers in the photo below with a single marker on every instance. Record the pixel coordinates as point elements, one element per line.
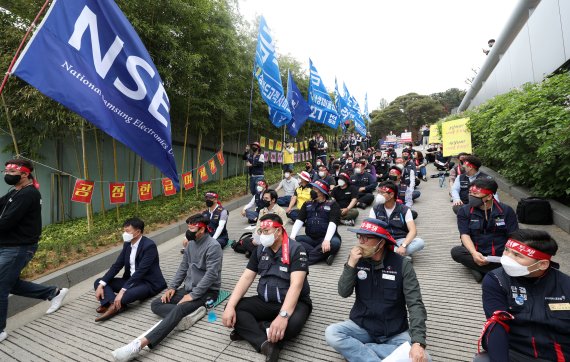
<point>139,292</point>
<point>172,313</point>
<point>461,255</point>
<point>254,315</point>
<point>366,198</point>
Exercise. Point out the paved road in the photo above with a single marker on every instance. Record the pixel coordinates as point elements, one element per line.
<point>452,298</point>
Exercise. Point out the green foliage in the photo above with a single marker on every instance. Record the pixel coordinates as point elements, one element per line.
<point>70,241</point>
<point>449,99</point>
<point>525,135</point>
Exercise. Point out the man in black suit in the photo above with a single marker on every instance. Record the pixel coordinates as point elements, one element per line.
<point>142,277</point>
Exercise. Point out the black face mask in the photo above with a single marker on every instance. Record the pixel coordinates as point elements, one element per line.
<point>405,157</point>
<point>254,149</point>
<point>337,167</point>
<point>12,179</point>
<point>314,195</point>
<point>475,201</point>
<point>209,203</point>
<point>392,177</point>
<point>191,235</point>
<point>378,157</point>
<point>307,168</point>
<point>265,203</point>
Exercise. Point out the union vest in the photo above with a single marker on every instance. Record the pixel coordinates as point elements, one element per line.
<point>361,180</point>
<point>539,330</point>
<point>275,277</point>
<point>464,184</point>
<point>397,223</point>
<point>380,305</point>
<point>318,218</point>
<point>488,239</point>
<point>259,204</point>
<point>321,153</point>
<point>215,221</point>
<point>257,167</point>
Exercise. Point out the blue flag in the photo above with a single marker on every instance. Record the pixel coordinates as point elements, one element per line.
<point>341,105</point>
<point>299,107</point>
<point>266,71</point>
<point>366,115</point>
<point>355,113</point>
<point>322,107</point>
<point>87,56</point>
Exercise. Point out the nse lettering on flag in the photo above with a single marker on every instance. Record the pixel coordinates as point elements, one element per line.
<point>86,55</point>
<point>322,107</point>
<point>117,193</point>
<point>83,191</point>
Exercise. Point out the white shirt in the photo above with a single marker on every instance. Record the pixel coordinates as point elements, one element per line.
<point>133,255</point>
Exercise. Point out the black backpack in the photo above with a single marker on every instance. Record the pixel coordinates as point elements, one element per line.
<point>244,244</point>
<point>534,211</point>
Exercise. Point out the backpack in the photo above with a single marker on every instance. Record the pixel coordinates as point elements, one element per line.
<point>535,211</point>
<point>244,244</point>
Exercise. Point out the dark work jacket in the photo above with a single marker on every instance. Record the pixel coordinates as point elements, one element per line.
<point>256,168</point>
<point>397,224</point>
<point>380,305</point>
<point>275,276</point>
<point>147,266</point>
<point>363,180</point>
<point>318,218</point>
<point>215,221</point>
<point>464,185</point>
<point>20,217</point>
<point>539,330</point>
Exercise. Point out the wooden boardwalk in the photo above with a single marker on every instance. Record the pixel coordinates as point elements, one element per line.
<point>452,298</point>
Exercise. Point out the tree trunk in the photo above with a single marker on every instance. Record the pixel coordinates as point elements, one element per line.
<point>88,208</point>
<point>116,169</point>
<point>100,169</point>
<point>198,159</point>
<point>185,143</point>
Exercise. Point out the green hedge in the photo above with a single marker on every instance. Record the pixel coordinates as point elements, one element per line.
<point>525,136</point>
<point>69,242</point>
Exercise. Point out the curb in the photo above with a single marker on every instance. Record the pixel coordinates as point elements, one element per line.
<point>560,212</point>
<point>80,271</point>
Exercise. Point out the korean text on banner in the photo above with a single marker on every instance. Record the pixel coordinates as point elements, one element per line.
<point>406,137</point>
<point>145,190</point>
<point>262,141</point>
<point>456,137</point>
<point>187,180</point>
<point>213,168</point>
<point>117,193</point>
<point>83,191</point>
<point>322,107</point>
<point>273,157</point>
<point>86,55</point>
<point>203,173</point>
<point>221,159</point>
<point>271,142</point>
<point>434,136</point>
<point>168,187</point>
<point>278,146</point>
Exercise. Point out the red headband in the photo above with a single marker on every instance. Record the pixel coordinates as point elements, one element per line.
<point>284,243</point>
<point>198,224</point>
<point>270,223</point>
<point>480,190</point>
<point>387,189</point>
<point>396,170</point>
<point>467,163</point>
<point>524,249</point>
<point>12,166</point>
<point>211,194</point>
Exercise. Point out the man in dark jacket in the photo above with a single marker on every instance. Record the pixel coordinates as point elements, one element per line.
<point>20,230</point>
<point>387,290</point>
<point>142,277</point>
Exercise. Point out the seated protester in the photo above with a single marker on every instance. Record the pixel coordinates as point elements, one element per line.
<point>420,163</point>
<point>385,284</point>
<point>270,207</point>
<point>460,188</point>
<point>399,219</point>
<point>430,153</point>
<point>324,176</point>
<point>405,194</point>
<point>483,224</point>
<point>309,169</point>
<point>346,195</point>
<point>201,272</point>
<point>336,170</point>
<point>330,163</point>
<point>392,155</point>
<point>457,170</point>
<point>218,217</point>
<point>382,166</point>
<point>289,185</point>
<point>348,166</point>
<point>282,305</point>
<point>302,195</point>
<point>367,167</point>
<point>409,149</point>
<point>365,184</point>
<point>257,201</point>
<point>443,163</point>
<point>320,217</point>
<point>142,277</point>
<point>409,176</point>
<point>526,303</point>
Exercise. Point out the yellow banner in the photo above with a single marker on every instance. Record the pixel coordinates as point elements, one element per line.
<point>278,146</point>
<point>296,146</point>
<point>270,144</point>
<point>262,141</point>
<point>434,136</point>
<point>456,137</point>
<point>306,145</point>
<point>302,145</point>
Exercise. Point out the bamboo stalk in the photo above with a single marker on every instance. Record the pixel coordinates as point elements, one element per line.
<point>185,143</point>
<point>198,159</point>
<point>100,169</point>
<point>139,175</point>
<point>116,169</point>
<point>10,126</point>
<point>86,174</point>
<point>221,150</point>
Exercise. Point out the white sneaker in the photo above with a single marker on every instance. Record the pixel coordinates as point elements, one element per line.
<point>190,319</point>
<point>128,352</point>
<point>57,300</point>
<point>3,336</point>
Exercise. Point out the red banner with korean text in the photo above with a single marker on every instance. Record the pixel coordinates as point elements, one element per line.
<point>83,191</point>
<point>117,193</point>
<point>221,159</point>
<point>145,190</point>
<point>188,180</point>
<point>213,168</point>
<point>203,174</point>
<point>168,187</point>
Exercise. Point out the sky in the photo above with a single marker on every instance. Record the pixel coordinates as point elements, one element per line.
<point>385,47</point>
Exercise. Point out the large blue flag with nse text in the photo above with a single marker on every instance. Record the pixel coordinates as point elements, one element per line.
<point>266,71</point>
<point>87,56</point>
<point>299,107</point>
<point>322,107</point>
<point>341,105</point>
<point>355,113</point>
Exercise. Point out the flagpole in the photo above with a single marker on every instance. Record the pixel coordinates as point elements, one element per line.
<point>32,25</point>
<point>249,125</point>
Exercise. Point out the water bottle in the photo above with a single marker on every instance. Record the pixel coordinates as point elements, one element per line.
<point>210,307</point>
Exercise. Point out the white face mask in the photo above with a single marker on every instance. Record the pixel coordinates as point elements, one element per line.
<point>127,237</point>
<point>267,240</point>
<point>319,163</point>
<point>341,183</point>
<point>259,188</point>
<point>321,173</point>
<point>513,268</point>
<point>380,199</point>
<point>287,175</point>
<point>357,170</point>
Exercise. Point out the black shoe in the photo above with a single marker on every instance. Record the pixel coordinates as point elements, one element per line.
<point>271,351</point>
<point>330,259</point>
<point>477,275</point>
<point>234,336</point>
<point>247,254</point>
<point>361,205</point>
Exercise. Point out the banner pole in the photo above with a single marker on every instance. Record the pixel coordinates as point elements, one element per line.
<point>249,127</point>
<point>32,25</point>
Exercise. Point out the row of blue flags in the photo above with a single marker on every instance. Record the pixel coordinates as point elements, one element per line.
<point>292,110</point>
